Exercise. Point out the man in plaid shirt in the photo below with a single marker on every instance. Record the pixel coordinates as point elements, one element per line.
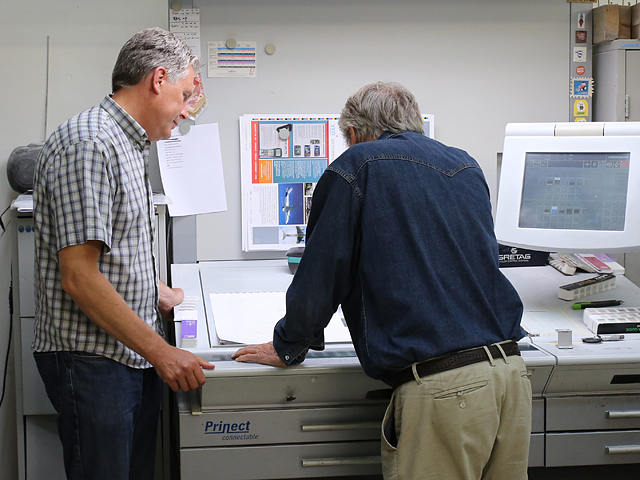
<point>99,342</point>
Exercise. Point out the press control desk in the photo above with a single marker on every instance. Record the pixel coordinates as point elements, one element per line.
<point>318,419</point>
<point>39,448</point>
<point>592,397</point>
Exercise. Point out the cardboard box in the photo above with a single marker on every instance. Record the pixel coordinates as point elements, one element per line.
<point>611,22</point>
<point>635,21</point>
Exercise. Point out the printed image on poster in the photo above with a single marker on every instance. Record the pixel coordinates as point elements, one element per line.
<point>291,205</point>
<point>293,235</point>
<point>308,196</point>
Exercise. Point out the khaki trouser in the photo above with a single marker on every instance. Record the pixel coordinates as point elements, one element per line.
<point>470,423</point>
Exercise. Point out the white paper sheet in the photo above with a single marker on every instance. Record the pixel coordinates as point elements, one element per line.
<point>191,171</point>
<point>249,318</point>
<point>545,323</point>
<point>186,24</point>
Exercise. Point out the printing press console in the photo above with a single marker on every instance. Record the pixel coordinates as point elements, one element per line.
<point>318,419</point>
<point>39,448</point>
<point>592,397</point>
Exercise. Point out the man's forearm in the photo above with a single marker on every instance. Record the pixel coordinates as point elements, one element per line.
<point>168,298</point>
<point>97,298</point>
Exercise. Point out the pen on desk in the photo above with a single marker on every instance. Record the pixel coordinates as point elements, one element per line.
<point>600,304</point>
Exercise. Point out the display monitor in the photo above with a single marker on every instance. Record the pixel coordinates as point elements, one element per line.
<point>569,187</point>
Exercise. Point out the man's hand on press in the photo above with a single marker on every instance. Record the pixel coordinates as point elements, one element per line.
<point>263,353</point>
<point>180,369</point>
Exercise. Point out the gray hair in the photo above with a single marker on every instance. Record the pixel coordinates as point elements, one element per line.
<point>378,107</point>
<point>149,49</point>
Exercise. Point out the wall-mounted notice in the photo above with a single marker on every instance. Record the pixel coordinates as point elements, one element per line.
<point>239,61</point>
<point>185,23</point>
<point>428,123</point>
<point>191,171</point>
<point>282,158</point>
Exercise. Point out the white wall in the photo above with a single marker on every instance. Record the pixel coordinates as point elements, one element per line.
<point>85,38</point>
<point>475,64</point>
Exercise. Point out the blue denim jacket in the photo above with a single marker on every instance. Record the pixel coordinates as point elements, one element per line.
<point>401,235</point>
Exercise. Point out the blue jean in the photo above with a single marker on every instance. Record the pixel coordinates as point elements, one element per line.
<point>107,415</point>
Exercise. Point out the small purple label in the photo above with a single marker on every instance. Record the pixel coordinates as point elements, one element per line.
<point>189,329</point>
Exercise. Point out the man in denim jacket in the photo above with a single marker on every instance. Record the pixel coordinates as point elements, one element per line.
<point>401,235</point>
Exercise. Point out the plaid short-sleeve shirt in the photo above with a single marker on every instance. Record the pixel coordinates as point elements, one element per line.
<point>91,183</point>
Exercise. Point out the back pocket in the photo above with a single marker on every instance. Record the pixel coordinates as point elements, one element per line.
<point>460,390</point>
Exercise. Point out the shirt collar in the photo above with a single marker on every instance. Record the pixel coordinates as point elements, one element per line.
<point>132,128</point>
<point>385,135</point>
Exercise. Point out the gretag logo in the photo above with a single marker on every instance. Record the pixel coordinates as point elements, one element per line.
<point>514,256</point>
<point>230,431</point>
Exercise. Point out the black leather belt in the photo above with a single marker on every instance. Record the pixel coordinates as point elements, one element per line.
<point>454,360</point>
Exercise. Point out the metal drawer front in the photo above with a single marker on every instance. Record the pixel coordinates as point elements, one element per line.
<point>594,448</point>
<point>282,461</point>
<point>536,450</point>
<point>537,415</point>
<point>539,378</point>
<point>594,379</point>
<point>278,426</point>
<point>288,390</point>
<point>593,413</point>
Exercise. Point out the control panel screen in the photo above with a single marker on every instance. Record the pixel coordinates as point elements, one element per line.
<point>575,191</point>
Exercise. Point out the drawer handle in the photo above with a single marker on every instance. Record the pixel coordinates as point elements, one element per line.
<point>194,400</point>
<point>622,449</point>
<point>338,462</point>
<point>627,414</point>
<point>341,426</point>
